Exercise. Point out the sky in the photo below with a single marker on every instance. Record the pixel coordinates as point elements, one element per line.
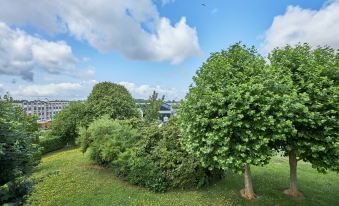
<point>60,49</point>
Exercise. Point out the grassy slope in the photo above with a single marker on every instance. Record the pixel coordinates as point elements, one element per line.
<point>69,178</point>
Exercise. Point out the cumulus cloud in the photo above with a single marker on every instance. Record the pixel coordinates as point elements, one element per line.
<point>20,53</point>
<point>144,91</point>
<point>64,90</point>
<point>317,27</point>
<point>80,90</point>
<point>132,28</point>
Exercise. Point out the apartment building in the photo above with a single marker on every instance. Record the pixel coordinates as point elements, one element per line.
<point>45,110</point>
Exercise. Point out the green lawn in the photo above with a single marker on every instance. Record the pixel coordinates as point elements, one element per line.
<point>69,178</point>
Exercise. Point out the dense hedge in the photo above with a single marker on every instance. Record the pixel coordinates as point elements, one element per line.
<point>144,154</point>
<point>51,144</point>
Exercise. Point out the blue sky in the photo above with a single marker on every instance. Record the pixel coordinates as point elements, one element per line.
<point>60,50</point>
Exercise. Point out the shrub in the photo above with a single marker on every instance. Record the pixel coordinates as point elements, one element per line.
<point>107,139</point>
<point>51,144</point>
<point>138,168</point>
<point>144,154</point>
<point>182,170</point>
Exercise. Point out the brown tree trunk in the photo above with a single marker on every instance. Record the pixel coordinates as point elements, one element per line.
<point>293,190</point>
<point>247,192</point>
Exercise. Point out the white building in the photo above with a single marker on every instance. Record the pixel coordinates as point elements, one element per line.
<point>45,110</point>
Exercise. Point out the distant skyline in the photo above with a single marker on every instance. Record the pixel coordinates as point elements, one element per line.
<point>60,49</point>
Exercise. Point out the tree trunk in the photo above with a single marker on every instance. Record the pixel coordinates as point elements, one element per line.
<point>293,190</point>
<point>247,192</point>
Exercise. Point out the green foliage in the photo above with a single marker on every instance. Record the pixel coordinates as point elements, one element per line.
<point>230,115</point>
<point>18,155</point>
<point>51,144</point>
<point>144,154</point>
<point>66,122</point>
<point>313,75</point>
<point>110,99</point>
<point>151,111</point>
<point>181,169</point>
<point>107,138</point>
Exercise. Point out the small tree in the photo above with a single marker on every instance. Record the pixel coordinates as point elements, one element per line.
<point>314,76</point>
<point>8,97</point>
<point>229,114</point>
<point>65,124</point>
<point>151,112</point>
<point>110,99</point>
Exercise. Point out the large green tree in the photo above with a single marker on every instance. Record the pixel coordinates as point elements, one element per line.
<point>110,99</point>
<point>314,75</point>
<point>151,111</point>
<point>18,154</point>
<point>230,112</point>
<point>66,122</point>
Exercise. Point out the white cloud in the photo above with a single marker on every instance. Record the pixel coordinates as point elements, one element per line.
<point>64,90</point>
<point>80,90</point>
<point>164,2</point>
<point>317,27</point>
<point>21,53</point>
<point>132,28</point>
<point>144,91</point>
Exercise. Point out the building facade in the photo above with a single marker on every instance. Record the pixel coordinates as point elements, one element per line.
<point>45,110</point>
<point>166,111</point>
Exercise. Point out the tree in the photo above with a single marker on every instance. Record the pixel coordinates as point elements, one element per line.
<point>18,155</point>
<point>110,99</point>
<point>151,112</point>
<point>8,97</point>
<point>66,122</point>
<point>314,75</point>
<point>230,113</point>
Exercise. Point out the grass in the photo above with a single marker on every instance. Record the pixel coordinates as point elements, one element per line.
<point>68,177</point>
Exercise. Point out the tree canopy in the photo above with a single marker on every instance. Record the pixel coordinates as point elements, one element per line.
<point>229,118</point>
<point>66,122</point>
<point>18,154</point>
<point>313,75</point>
<point>151,111</point>
<point>111,99</point>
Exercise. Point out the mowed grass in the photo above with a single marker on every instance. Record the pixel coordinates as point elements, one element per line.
<point>68,177</point>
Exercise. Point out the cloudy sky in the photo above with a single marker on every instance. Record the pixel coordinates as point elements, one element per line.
<point>60,49</point>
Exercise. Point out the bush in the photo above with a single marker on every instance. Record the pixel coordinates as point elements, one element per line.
<point>107,139</point>
<point>14,191</point>
<point>182,170</point>
<point>51,144</point>
<point>144,154</point>
<point>138,168</point>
